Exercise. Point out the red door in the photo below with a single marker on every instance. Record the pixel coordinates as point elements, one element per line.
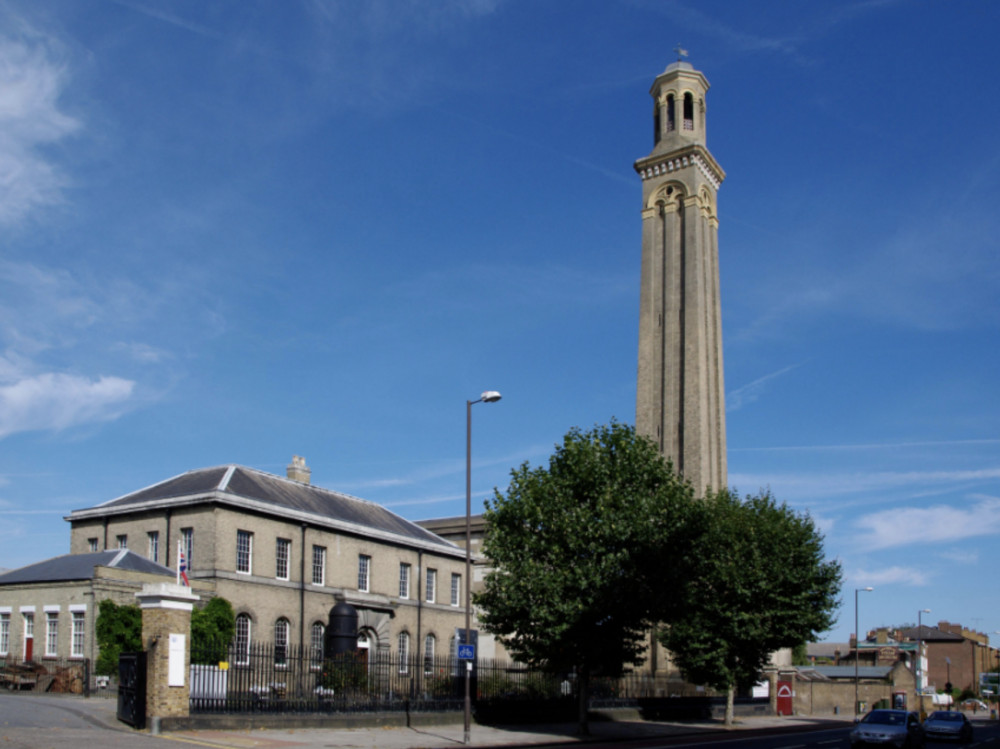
<point>784,698</point>
<point>29,643</point>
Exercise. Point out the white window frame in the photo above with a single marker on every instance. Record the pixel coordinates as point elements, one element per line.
<point>403,648</point>
<point>319,565</point>
<point>431,585</point>
<point>5,632</point>
<point>244,552</point>
<point>92,545</point>
<point>430,645</point>
<point>122,540</point>
<point>404,580</point>
<point>317,639</point>
<point>187,543</point>
<point>364,573</point>
<point>241,640</point>
<point>153,543</point>
<point>78,642</point>
<point>282,558</point>
<point>51,634</point>
<point>281,630</point>
<point>456,589</point>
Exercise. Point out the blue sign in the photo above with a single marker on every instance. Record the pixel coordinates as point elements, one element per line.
<point>467,652</point>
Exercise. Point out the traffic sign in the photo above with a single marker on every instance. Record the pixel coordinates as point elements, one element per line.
<point>466,652</point>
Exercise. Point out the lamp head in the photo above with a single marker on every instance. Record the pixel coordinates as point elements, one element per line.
<point>490,396</point>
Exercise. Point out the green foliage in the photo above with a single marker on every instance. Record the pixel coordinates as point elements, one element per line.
<point>800,655</point>
<point>584,551</point>
<point>761,584</point>
<point>212,629</point>
<point>119,630</point>
<point>345,674</point>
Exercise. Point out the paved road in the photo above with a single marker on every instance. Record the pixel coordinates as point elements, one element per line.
<point>50,722</point>
<point>58,722</point>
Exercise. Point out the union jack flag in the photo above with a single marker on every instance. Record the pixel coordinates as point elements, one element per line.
<point>182,566</point>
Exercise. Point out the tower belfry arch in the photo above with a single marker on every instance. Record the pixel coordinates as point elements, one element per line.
<point>680,397</point>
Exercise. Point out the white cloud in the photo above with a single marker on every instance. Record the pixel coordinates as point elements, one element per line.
<point>741,396</point>
<point>31,83</point>
<point>59,401</point>
<point>961,556</point>
<point>889,576</point>
<point>922,525</point>
<point>812,486</point>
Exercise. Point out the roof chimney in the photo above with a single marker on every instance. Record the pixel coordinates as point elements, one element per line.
<point>297,470</point>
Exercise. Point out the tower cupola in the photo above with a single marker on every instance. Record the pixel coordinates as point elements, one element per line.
<point>678,108</point>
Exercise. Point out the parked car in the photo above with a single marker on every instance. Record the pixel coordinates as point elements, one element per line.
<point>975,705</point>
<point>948,725</point>
<point>891,728</point>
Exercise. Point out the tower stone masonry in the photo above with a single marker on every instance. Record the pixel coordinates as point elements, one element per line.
<point>680,397</point>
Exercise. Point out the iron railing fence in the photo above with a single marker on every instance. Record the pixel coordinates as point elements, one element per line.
<point>68,675</point>
<point>259,677</point>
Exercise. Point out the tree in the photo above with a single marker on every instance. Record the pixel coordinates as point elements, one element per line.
<point>761,584</point>
<point>585,553</point>
<point>212,629</point>
<point>119,630</point>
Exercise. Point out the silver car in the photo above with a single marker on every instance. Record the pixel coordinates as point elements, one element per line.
<point>891,728</point>
<point>948,725</point>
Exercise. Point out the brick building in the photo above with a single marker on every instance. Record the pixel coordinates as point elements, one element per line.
<point>283,552</point>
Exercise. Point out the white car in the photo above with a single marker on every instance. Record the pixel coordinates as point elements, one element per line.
<point>889,728</point>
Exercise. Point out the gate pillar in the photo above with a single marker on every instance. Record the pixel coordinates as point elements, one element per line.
<point>166,637</point>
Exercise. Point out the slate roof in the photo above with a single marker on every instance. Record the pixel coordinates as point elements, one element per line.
<point>81,567</point>
<point>843,672</point>
<point>266,493</point>
<point>932,634</point>
<point>827,649</point>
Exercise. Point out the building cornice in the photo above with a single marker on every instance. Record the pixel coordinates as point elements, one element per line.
<point>694,156</point>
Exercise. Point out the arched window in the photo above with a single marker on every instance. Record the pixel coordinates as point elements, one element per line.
<point>656,123</point>
<point>688,111</point>
<point>430,643</point>
<point>316,637</point>
<point>241,640</point>
<point>404,652</point>
<point>281,642</point>
<point>671,114</point>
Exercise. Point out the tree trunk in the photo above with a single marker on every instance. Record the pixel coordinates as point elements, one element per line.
<point>730,711</point>
<point>583,685</point>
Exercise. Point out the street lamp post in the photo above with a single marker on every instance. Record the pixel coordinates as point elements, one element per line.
<point>920,658</point>
<point>490,396</point>
<point>857,646</point>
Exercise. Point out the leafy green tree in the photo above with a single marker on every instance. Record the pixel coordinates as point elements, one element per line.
<point>761,584</point>
<point>212,629</point>
<point>585,553</point>
<point>119,630</point>
<point>800,655</point>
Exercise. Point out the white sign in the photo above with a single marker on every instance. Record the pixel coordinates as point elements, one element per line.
<point>175,661</point>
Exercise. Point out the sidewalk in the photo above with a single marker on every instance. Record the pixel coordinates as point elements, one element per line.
<point>451,735</point>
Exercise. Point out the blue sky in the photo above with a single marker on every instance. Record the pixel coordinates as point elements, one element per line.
<point>238,231</point>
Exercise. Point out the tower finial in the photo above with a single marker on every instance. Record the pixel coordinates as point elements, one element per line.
<point>681,52</point>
